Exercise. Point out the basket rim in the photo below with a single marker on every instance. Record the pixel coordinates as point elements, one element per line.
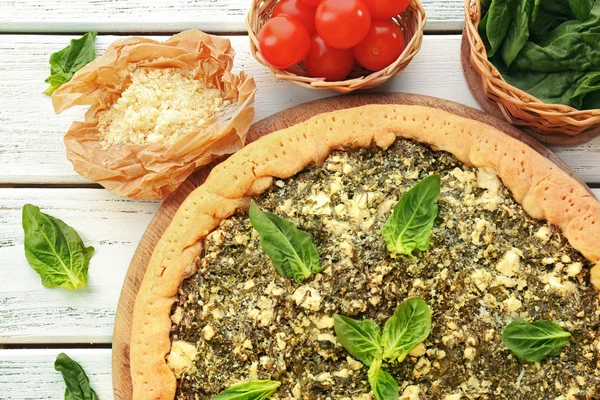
<point>411,49</point>
<point>494,76</point>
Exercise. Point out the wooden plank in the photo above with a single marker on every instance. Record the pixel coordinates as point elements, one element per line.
<point>30,375</point>
<point>32,313</point>
<point>108,16</point>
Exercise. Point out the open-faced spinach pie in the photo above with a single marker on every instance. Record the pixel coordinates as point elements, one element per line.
<point>380,252</point>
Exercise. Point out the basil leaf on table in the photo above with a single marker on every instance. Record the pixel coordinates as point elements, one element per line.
<point>252,390</point>
<point>383,384</point>
<point>406,329</point>
<point>291,250</point>
<point>55,250</point>
<point>78,384</point>
<point>409,227</point>
<point>536,340</point>
<point>64,63</point>
<point>361,338</point>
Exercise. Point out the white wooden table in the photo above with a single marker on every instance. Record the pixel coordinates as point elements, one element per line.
<point>37,323</point>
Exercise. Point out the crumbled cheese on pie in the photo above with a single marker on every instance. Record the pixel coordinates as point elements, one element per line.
<point>510,263</point>
<point>182,356</point>
<point>307,297</point>
<point>411,393</point>
<point>160,105</point>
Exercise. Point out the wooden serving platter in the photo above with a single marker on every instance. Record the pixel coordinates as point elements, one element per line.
<point>283,119</point>
<point>474,84</point>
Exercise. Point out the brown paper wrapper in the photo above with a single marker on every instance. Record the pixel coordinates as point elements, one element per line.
<point>154,170</point>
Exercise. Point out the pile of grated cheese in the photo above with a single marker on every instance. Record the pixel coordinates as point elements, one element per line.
<point>160,105</point>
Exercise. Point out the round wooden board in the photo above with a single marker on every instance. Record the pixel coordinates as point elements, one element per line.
<point>283,119</point>
<point>474,84</point>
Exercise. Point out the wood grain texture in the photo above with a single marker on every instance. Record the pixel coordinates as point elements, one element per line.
<point>284,119</point>
<point>30,374</point>
<point>109,16</point>
<point>30,313</point>
<point>474,83</point>
<point>31,144</point>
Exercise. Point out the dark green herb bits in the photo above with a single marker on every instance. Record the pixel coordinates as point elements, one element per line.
<point>55,250</point>
<point>362,339</point>
<point>78,384</point>
<point>252,390</point>
<point>536,340</point>
<point>409,227</point>
<point>64,63</point>
<point>383,384</point>
<point>291,250</point>
<point>406,329</point>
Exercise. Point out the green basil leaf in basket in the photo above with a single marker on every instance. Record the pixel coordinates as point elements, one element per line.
<point>64,63</point>
<point>78,384</point>
<point>383,384</point>
<point>252,390</point>
<point>362,339</point>
<point>518,31</point>
<point>406,329</point>
<point>291,250</point>
<point>536,340</point>
<point>409,227</point>
<point>55,250</point>
<point>497,21</point>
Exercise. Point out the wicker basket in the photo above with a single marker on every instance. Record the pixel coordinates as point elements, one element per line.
<point>517,106</point>
<point>412,22</point>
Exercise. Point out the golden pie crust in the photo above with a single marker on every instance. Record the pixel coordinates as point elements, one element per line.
<point>543,189</point>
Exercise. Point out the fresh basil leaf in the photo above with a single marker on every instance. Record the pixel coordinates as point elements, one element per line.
<point>409,227</point>
<point>406,329</point>
<point>383,384</point>
<point>64,63</point>
<point>252,390</point>
<point>536,9</point>
<point>518,31</point>
<point>497,21</point>
<point>361,338</point>
<point>55,250</point>
<point>291,250</point>
<point>536,340</point>
<point>78,384</point>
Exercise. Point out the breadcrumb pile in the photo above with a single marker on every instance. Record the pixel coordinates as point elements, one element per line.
<point>160,105</point>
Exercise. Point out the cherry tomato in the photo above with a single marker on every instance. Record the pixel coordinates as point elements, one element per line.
<point>324,61</point>
<point>386,8</point>
<point>343,23</point>
<point>382,46</point>
<point>283,42</point>
<point>312,3</point>
<point>305,14</point>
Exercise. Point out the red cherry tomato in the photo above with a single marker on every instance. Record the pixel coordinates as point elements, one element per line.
<point>305,14</point>
<point>343,23</point>
<point>312,3</point>
<point>382,46</point>
<point>283,42</point>
<point>386,8</point>
<point>327,62</point>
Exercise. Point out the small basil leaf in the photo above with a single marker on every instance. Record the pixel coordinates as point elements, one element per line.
<point>55,250</point>
<point>409,227</point>
<point>291,250</point>
<point>78,384</point>
<point>361,338</point>
<point>497,21</point>
<point>384,385</point>
<point>64,63</point>
<point>406,329</point>
<point>536,340</point>
<point>252,390</point>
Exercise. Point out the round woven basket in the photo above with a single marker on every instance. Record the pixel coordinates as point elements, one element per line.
<point>517,106</point>
<point>412,21</point>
